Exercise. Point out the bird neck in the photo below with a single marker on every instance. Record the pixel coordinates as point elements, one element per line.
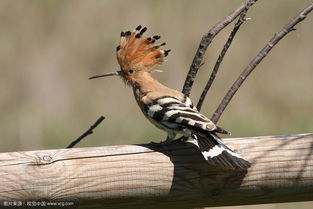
<point>144,82</point>
<point>146,89</point>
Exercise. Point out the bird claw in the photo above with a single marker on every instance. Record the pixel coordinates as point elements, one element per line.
<point>173,141</point>
<point>169,141</point>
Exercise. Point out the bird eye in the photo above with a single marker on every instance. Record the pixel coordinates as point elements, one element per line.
<point>130,71</point>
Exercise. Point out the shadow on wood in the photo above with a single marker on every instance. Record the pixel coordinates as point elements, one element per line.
<point>193,178</point>
<point>154,176</point>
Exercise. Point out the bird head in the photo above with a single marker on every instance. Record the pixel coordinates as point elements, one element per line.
<point>137,55</point>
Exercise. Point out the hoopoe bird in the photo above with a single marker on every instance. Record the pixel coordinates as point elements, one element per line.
<point>166,108</point>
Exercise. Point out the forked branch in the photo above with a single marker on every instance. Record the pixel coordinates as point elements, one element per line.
<point>205,42</point>
<point>207,87</point>
<point>259,57</point>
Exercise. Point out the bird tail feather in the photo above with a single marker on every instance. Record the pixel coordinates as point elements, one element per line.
<point>218,154</point>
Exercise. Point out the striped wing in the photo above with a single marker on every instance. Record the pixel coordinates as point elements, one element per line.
<point>176,114</point>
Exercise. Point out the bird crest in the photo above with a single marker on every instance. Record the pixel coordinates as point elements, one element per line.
<point>136,52</point>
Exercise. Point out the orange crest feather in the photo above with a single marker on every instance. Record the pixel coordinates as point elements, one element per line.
<point>136,52</point>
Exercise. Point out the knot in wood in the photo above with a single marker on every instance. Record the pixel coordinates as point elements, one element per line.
<point>46,158</point>
<point>42,159</point>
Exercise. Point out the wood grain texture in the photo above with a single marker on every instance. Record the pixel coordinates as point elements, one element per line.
<point>154,176</point>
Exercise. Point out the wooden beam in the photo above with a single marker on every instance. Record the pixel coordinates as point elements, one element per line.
<point>154,176</point>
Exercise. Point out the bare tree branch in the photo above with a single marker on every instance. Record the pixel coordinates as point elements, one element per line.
<point>88,132</point>
<point>205,42</point>
<point>207,87</point>
<point>259,57</point>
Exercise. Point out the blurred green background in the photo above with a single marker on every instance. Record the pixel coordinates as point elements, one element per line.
<point>49,48</point>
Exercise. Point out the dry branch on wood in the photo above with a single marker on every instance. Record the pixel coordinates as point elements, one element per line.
<point>220,58</point>
<point>259,57</point>
<point>205,42</point>
<point>169,177</point>
<point>86,133</point>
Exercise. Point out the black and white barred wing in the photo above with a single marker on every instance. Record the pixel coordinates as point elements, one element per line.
<point>180,116</point>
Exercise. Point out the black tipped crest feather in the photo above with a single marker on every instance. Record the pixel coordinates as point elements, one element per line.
<point>137,52</point>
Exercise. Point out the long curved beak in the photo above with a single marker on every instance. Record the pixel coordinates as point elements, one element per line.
<point>119,72</point>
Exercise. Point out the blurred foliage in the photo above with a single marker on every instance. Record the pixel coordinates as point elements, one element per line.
<point>49,49</point>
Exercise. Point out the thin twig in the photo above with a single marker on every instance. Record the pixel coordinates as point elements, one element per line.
<point>259,57</point>
<point>207,87</point>
<point>88,132</point>
<point>205,42</point>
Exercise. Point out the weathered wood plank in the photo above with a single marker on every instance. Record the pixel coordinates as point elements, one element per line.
<point>153,176</point>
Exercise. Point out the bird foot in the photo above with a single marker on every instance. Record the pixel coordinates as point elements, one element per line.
<point>173,141</point>
<point>168,141</point>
